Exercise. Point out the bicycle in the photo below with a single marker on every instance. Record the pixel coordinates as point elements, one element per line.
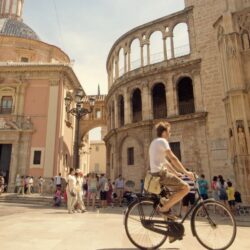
<point>212,223</point>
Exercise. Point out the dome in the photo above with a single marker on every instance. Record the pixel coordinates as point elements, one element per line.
<point>13,27</point>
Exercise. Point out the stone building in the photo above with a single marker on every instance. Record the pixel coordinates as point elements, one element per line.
<point>201,86</point>
<point>36,133</point>
<point>97,157</point>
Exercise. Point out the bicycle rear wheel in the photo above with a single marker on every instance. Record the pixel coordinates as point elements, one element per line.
<point>140,236</point>
<point>213,225</point>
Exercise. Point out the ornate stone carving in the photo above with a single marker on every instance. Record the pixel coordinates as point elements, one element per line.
<point>244,22</point>
<point>27,124</point>
<point>242,140</point>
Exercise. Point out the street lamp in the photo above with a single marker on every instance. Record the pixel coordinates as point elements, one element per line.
<point>78,112</point>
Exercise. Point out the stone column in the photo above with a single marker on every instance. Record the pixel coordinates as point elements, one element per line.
<point>146,103</point>
<point>116,112</point>
<point>125,62</point>
<point>116,68</point>
<point>197,89</point>
<point>148,52</point>
<point>142,56</point>
<point>129,63</point>
<point>165,48</point>
<point>172,46</point>
<point>127,107</point>
<point>171,98</point>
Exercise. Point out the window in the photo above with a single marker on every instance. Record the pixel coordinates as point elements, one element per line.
<point>130,156</point>
<point>6,105</point>
<point>37,157</point>
<point>24,59</point>
<point>98,113</point>
<point>176,148</point>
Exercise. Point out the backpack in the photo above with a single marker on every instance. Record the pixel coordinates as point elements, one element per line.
<point>106,187</point>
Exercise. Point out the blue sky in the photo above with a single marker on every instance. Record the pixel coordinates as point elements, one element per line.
<point>87,29</point>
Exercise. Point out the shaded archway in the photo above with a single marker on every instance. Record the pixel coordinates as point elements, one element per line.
<point>185,96</point>
<point>137,105</point>
<point>121,110</point>
<point>159,101</point>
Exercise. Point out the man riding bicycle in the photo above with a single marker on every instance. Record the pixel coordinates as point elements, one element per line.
<point>170,174</point>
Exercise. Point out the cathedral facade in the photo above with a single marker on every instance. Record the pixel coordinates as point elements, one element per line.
<point>201,86</point>
<point>36,133</point>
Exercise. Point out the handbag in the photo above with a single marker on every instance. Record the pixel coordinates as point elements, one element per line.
<point>72,193</point>
<point>152,183</point>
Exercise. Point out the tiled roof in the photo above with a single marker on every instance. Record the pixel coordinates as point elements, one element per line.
<point>13,27</point>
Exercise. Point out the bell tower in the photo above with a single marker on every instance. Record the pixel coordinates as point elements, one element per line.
<point>11,9</point>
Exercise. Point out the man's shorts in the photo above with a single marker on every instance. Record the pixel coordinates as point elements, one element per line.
<point>188,199</point>
<point>171,181</point>
<point>103,195</point>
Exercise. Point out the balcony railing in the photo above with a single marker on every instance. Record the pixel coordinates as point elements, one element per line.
<point>6,110</point>
<point>186,107</point>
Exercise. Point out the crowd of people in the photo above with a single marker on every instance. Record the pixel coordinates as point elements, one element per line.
<point>91,187</point>
<point>221,190</point>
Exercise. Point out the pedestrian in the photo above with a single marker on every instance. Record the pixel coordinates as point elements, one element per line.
<point>1,184</point>
<point>22,188</point>
<point>92,189</point>
<point>142,186</point>
<point>214,187</point>
<point>18,183</point>
<point>26,184</point>
<point>79,192</point>
<point>58,180</point>
<point>222,186</point>
<point>203,187</point>
<point>103,188</point>
<point>51,185</point>
<point>58,197</point>
<point>40,185</point>
<point>31,185</point>
<point>109,194</point>
<point>71,191</point>
<point>230,194</point>
<point>119,189</point>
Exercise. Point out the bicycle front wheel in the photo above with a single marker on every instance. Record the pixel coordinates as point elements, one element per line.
<point>213,225</point>
<point>140,236</point>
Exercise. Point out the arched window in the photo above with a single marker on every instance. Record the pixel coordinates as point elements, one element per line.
<point>137,106</point>
<point>185,96</point>
<point>135,54</point>
<point>121,62</point>
<point>156,47</point>
<point>159,101</point>
<point>6,105</point>
<point>121,110</point>
<point>181,40</point>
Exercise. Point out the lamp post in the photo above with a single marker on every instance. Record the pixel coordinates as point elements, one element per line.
<point>78,112</point>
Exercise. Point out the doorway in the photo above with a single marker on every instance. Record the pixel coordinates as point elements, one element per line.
<point>5,157</point>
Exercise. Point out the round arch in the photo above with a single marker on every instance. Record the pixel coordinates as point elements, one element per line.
<point>159,102</point>
<point>185,95</point>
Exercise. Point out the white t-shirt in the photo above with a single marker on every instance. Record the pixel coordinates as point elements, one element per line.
<point>157,154</point>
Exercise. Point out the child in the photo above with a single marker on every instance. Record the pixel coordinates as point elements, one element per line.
<point>230,195</point>
<point>57,197</point>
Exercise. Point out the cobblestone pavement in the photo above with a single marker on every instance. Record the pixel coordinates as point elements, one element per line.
<point>24,227</point>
